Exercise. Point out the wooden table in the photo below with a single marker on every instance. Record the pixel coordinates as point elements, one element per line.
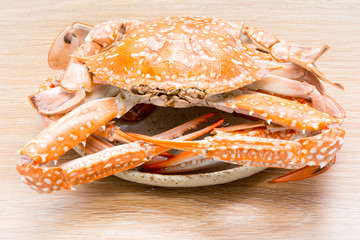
<point>326,207</point>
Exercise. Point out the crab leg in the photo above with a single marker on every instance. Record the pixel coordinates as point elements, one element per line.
<point>283,112</point>
<point>190,161</point>
<point>185,158</point>
<point>177,131</point>
<point>305,172</point>
<point>285,52</point>
<point>81,170</point>
<point>263,152</point>
<point>273,109</point>
<point>288,87</point>
<point>288,70</point>
<point>295,81</point>
<point>281,81</point>
<point>184,162</point>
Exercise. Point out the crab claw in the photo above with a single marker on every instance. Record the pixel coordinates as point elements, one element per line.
<point>82,170</point>
<point>281,111</point>
<point>302,56</point>
<point>65,43</point>
<point>281,51</point>
<point>303,173</point>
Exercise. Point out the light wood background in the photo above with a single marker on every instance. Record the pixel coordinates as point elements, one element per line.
<point>326,207</point>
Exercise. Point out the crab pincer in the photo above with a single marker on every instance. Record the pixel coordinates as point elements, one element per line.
<point>60,137</point>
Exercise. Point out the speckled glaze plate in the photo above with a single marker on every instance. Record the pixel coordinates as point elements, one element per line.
<point>163,119</point>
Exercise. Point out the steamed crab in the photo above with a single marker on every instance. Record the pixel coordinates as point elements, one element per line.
<point>123,66</point>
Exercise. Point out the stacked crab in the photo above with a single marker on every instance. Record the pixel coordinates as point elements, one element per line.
<point>124,68</point>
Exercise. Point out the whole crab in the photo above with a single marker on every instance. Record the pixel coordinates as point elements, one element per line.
<point>122,66</point>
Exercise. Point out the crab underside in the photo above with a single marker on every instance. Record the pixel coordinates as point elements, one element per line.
<point>123,69</point>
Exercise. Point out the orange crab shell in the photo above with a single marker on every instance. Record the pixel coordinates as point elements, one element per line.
<point>179,52</point>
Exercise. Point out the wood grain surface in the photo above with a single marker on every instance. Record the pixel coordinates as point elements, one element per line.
<point>326,207</point>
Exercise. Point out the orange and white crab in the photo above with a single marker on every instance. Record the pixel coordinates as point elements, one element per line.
<point>180,62</point>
